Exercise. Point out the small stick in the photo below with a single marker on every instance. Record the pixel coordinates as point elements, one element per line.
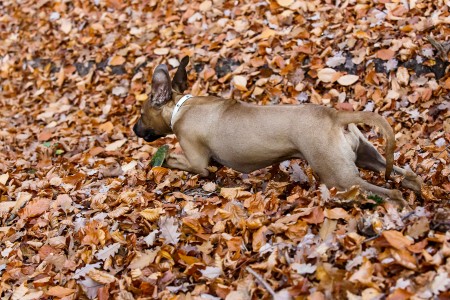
<point>262,281</point>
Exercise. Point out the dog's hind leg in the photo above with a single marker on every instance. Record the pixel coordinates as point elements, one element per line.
<point>368,157</point>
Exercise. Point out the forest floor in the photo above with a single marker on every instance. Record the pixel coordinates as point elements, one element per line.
<point>84,216</point>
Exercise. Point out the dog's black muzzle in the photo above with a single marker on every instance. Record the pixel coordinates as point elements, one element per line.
<point>149,135</point>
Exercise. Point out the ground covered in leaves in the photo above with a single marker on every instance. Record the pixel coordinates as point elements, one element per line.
<point>84,216</point>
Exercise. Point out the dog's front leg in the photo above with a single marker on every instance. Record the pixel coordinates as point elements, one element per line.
<point>196,164</point>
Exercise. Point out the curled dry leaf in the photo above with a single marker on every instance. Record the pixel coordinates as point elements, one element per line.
<point>152,214</point>
<point>402,76</point>
<point>101,276</point>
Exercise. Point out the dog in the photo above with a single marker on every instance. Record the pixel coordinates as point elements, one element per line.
<point>248,137</point>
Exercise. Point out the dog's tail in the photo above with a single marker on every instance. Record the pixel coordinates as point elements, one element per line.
<point>373,119</point>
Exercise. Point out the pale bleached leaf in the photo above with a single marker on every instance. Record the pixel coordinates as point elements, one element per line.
<point>168,227</point>
<point>108,251</point>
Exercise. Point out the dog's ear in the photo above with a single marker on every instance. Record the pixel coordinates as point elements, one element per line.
<point>180,83</point>
<point>161,86</point>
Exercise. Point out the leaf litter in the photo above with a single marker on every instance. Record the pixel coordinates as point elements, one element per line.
<point>85,216</point>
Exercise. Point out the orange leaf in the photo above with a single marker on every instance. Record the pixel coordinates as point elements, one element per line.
<point>385,54</point>
<point>396,239</point>
<point>44,136</point>
<point>336,213</point>
<point>316,216</point>
<point>35,208</point>
<point>447,84</point>
<point>117,60</point>
<point>59,291</point>
<point>399,294</point>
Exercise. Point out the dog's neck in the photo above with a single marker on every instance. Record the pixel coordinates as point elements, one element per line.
<point>168,108</point>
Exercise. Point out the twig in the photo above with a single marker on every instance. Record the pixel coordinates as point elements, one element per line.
<point>262,281</point>
<point>372,238</point>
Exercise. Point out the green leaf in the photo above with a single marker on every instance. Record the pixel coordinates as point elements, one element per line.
<point>59,151</point>
<point>160,156</point>
<point>47,144</point>
<point>376,198</point>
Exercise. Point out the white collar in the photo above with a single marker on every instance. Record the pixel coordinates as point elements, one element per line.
<point>177,107</point>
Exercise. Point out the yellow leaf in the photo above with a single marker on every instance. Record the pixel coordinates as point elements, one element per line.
<point>141,97</point>
<point>267,33</point>
<point>152,214</point>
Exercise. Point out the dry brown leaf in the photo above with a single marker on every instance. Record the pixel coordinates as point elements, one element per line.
<point>396,239</point>
<point>115,145</point>
<point>336,213</point>
<point>117,60</point>
<point>152,214</point>
<point>59,291</point>
<point>101,276</point>
<point>385,54</point>
<point>234,193</point>
<point>363,274</point>
<point>35,208</point>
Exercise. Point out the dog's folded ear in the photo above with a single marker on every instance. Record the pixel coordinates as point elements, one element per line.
<point>161,86</point>
<point>180,83</point>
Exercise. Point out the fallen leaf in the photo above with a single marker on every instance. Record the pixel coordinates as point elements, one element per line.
<point>240,82</point>
<point>59,291</point>
<point>115,145</point>
<point>285,3</point>
<point>347,80</point>
<point>161,51</point>
<point>396,239</point>
<point>328,75</point>
<point>385,54</point>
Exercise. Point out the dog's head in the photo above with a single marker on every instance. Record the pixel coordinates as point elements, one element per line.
<point>152,124</point>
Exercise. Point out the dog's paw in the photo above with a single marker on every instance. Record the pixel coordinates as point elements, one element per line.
<point>412,181</point>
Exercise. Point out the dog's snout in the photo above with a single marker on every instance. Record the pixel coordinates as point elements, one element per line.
<point>149,135</point>
<point>136,129</point>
